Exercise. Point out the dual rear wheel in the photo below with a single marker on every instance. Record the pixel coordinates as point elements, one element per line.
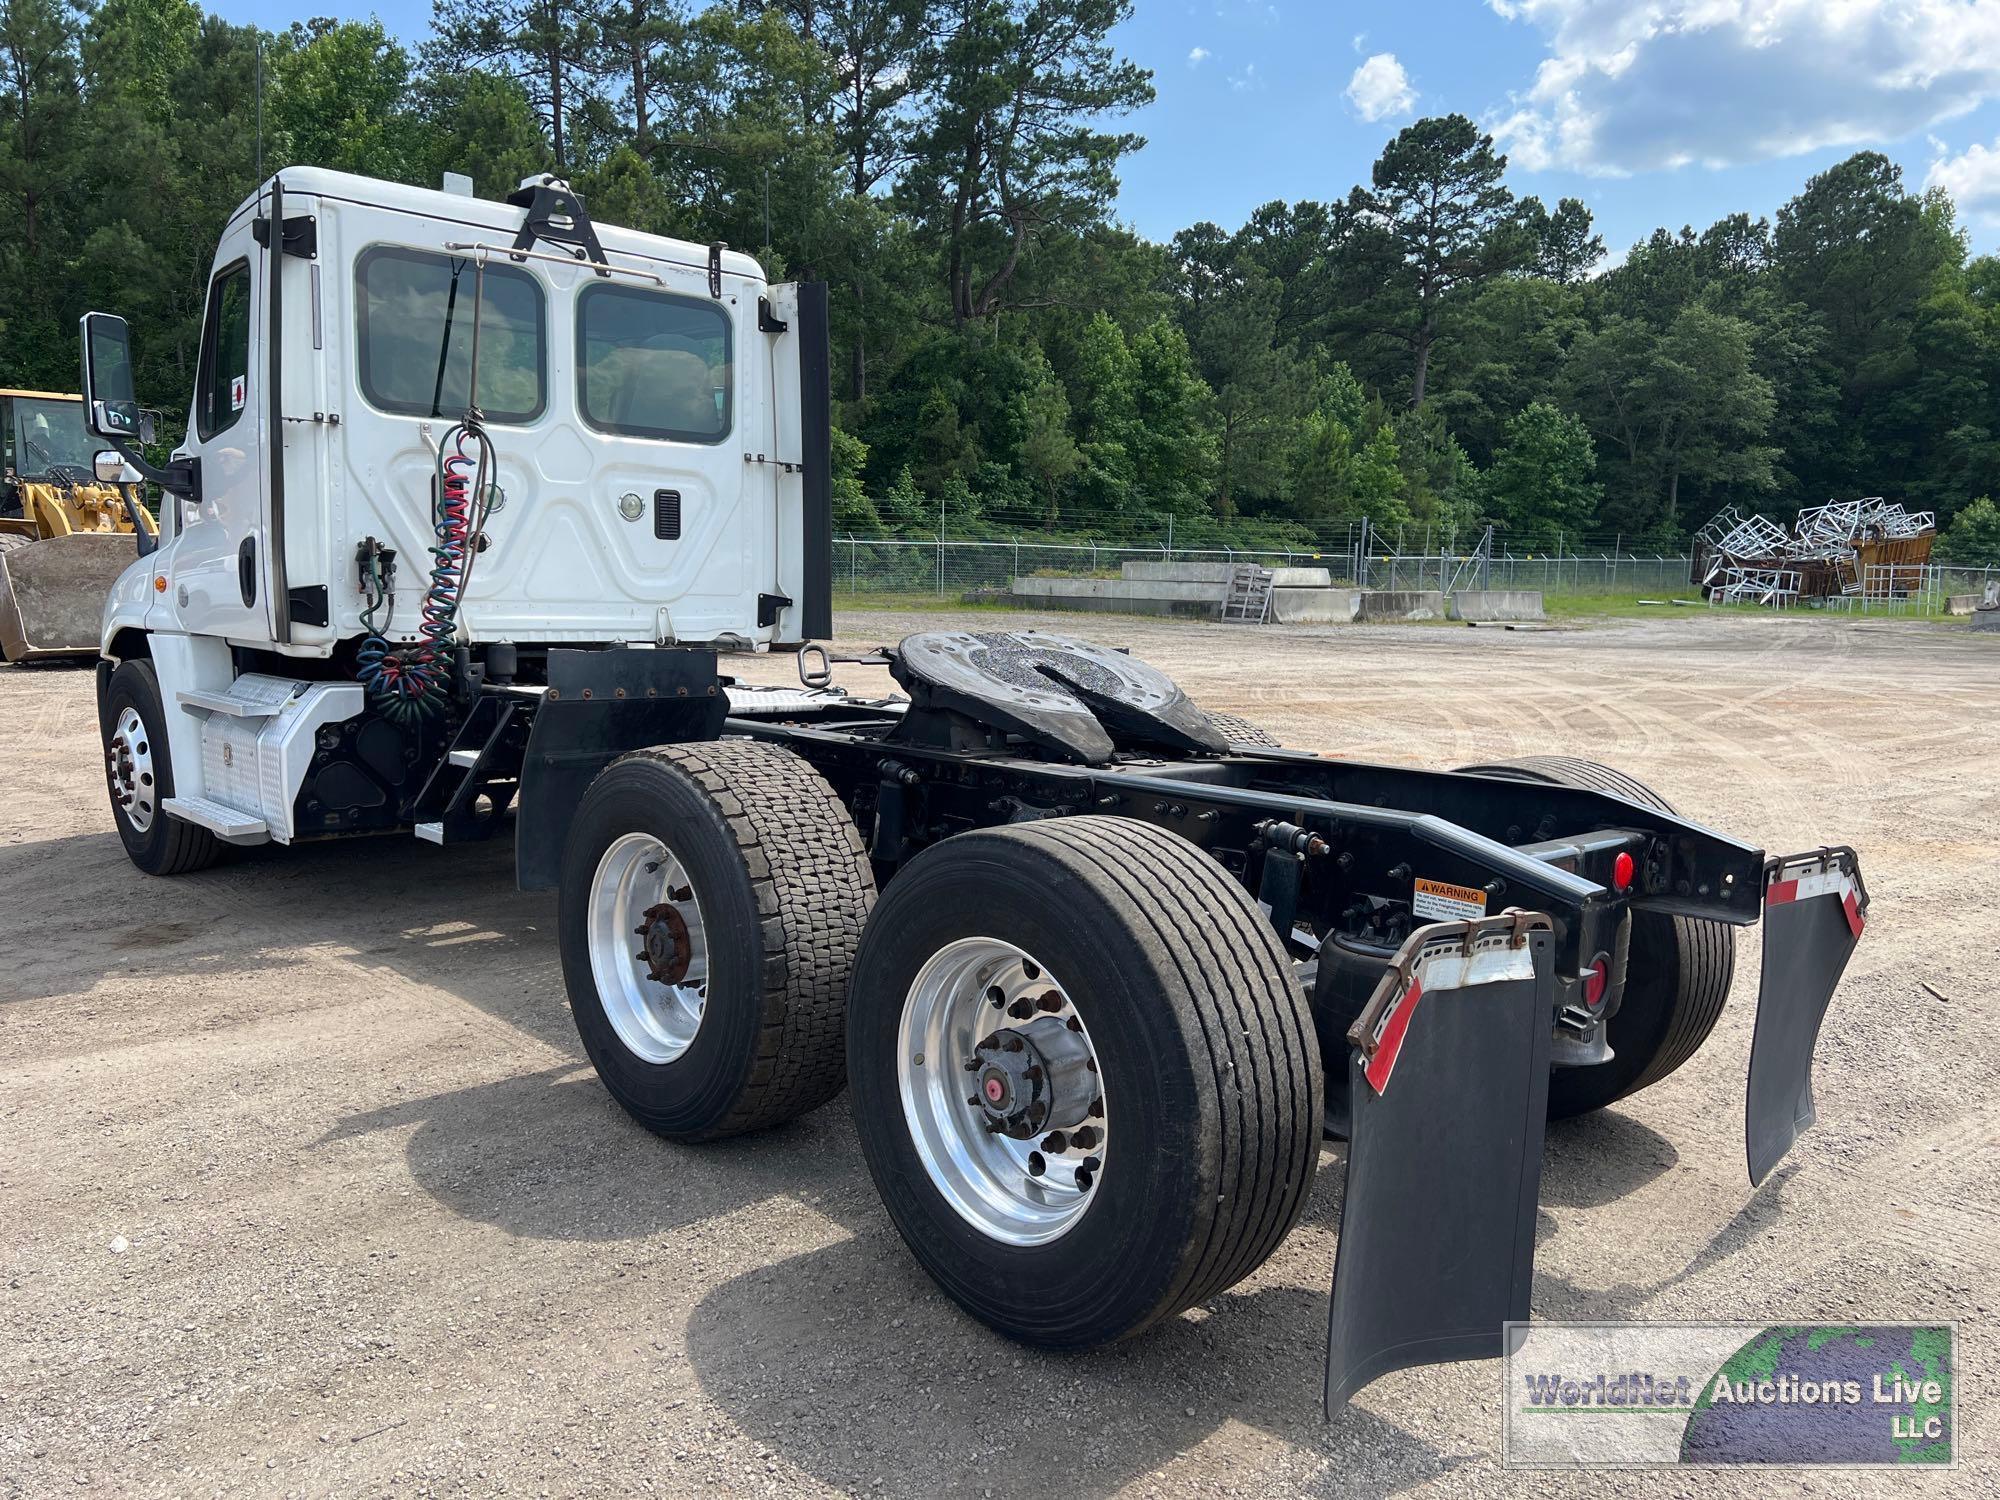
<point>1083,1075</point>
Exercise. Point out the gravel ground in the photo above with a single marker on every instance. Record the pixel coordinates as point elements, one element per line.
<point>308,1189</point>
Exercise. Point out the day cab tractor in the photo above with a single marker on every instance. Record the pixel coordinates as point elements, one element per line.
<point>66,530</point>
<point>479,504</point>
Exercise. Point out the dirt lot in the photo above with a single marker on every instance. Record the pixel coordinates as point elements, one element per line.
<point>307,1187</point>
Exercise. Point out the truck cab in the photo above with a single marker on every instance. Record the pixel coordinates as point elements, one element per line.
<point>647,419</point>
<point>640,394</point>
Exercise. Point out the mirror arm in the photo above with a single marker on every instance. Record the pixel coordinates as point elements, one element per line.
<point>181,477</point>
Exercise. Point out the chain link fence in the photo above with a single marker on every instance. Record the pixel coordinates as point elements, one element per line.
<point>946,568</point>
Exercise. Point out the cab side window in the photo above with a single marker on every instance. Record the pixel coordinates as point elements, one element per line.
<point>222,384</point>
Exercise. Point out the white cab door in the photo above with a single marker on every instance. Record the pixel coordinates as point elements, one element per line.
<point>218,574</point>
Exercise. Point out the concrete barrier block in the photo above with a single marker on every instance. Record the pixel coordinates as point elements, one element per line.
<point>1314,606</point>
<point>1218,572</point>
<point>1485,605</point>
<point>1401,604</point>
<point>1960,604</point>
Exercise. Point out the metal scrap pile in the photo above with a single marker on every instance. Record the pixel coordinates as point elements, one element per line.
<point>1872,547</point>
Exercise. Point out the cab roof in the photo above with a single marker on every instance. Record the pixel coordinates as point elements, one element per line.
<point>492,215</point>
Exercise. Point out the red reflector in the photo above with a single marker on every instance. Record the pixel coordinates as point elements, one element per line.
<point>1621,871</point>
<point>1595,980</point>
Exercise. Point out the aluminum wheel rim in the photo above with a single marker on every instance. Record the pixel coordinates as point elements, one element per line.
<point>656,1020</point>
<point>987,1177</point>
<point>129,758</point>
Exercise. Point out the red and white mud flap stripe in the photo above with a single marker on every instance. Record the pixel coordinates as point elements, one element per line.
<point>1448,1075</point>
<point>1815,907</point>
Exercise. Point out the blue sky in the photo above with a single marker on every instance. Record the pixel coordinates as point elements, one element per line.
<point>1651,111</point>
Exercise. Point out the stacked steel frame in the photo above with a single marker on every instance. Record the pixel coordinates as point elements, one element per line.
<point>1839,549</point>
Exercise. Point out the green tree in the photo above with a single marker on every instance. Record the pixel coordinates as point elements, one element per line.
<point>39,118</point>
<point>1974,536</point>
<point>549,47</point>
<point>1011,147</point>
<point>338,98</point>
<point>1566,248</point>
<point>1543,483</point>
<point>1442,224</point>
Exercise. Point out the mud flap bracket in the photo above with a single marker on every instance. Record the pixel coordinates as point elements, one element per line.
<point>1815,906</point>
<point>1449,1082</point>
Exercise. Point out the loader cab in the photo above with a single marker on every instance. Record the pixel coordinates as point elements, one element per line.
<point>42,437</point>
<point>643,398</point>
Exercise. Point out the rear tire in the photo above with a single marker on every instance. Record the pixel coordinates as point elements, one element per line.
<point>139,775</point>
<point>1677,974</point>
<point>1240,731</point>
<point>778,891</point>
<point>1201,1044</point>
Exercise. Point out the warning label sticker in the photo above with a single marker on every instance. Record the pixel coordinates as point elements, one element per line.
<point>1440,901</point>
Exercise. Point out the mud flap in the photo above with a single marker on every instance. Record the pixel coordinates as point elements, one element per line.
<point>1449,1083</point>
<point>1814,909</point>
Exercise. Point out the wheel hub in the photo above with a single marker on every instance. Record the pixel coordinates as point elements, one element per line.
<point>668,946</point>
<point>1001,1091</point>
<point>1034,1078</point>
<point>128,759</point>
<point>654,994</point>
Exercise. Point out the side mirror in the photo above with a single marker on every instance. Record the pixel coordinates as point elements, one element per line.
<point>109,466</point>
<point>110,404</point>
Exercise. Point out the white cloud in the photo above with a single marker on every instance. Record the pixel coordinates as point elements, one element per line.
<point>1198,56</point>
<point>1380,88</point>
<point>1634,85</point>
<point>1972,179</point>
<point>1246,80</point>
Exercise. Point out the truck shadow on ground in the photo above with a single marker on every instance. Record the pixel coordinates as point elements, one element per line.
<point>449,919</point>
<point>846,1362</point>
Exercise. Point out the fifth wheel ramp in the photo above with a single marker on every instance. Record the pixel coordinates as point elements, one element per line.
<point>52,593</point>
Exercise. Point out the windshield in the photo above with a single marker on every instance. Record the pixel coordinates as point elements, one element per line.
<point>48,433</point>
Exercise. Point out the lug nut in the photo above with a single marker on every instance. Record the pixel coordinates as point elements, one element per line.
<point>1097,1108</point>
<point>973,1100</point>
<point>1091,1164</point>
<point>1083,1137</point>
<point>972,1065</point>
<point>1052,1001</point>
<point>1056,1143</point>
<point>1021,1009</point>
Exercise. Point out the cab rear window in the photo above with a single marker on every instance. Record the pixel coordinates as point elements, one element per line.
<point>413,313</point>
<point>652,365</point>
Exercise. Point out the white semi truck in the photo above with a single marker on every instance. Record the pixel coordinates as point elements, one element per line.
<point>477,504</point>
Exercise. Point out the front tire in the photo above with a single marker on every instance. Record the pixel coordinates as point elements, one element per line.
<point>1197,1104</point>
<point>711,902</point>
<point>139,774</point>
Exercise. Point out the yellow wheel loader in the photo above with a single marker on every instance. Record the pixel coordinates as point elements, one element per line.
<point>66,527</point>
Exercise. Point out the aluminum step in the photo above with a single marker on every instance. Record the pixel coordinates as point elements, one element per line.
<point>252,696</point>
<point>466,758</point>
<point>225,822</point>
<point>430,833</point>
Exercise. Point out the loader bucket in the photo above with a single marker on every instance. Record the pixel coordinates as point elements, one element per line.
<point>52,593</point>
<point>1449,1080</point>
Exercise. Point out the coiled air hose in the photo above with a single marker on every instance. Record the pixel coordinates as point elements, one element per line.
<point>413,682</point>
